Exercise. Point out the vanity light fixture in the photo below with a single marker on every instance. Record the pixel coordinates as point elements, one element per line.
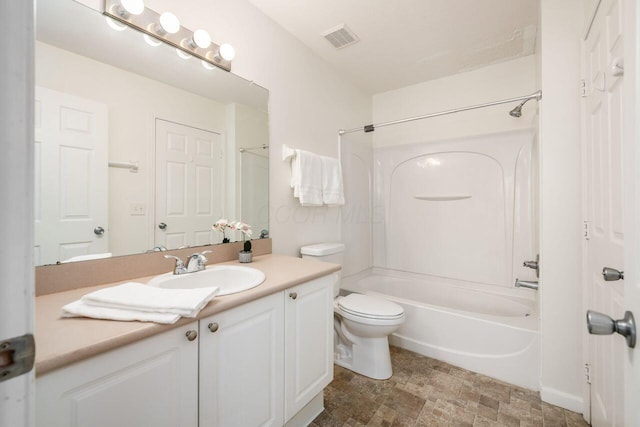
<point>166,28</point>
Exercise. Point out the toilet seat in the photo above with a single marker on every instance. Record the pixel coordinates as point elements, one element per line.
<point>369,307</point>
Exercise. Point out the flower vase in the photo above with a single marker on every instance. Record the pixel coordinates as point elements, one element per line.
<point>245,256</point>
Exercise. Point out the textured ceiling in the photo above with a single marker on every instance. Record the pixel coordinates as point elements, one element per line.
<point>403,42</point>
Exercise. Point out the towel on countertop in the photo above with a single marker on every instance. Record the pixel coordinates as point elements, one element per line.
<point>306,178</point>
<point>136,301</point>
<point>80,309</point>
<point>332,191</point>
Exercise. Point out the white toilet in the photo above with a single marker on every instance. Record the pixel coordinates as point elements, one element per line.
<point>362,323</point>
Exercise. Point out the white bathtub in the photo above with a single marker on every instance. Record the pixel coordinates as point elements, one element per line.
<point>489,333</point>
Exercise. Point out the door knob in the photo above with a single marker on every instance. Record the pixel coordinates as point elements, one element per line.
<point>601,324</point>
<point>162,226</point>
<point>293,295</point>
<point>98,231</point>
<point>191,335</point>
<point>611,274</point>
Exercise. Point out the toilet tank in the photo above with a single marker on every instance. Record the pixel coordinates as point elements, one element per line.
<point>327,252</point>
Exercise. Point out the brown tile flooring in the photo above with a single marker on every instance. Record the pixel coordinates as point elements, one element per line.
<point>428,392</point>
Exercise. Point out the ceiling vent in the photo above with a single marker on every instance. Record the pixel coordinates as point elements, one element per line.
<point>340,36</point>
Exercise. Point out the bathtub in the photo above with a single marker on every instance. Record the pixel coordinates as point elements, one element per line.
<point>494,334</point>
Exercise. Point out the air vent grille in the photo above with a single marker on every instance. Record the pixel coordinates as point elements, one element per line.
<point>340,36</point>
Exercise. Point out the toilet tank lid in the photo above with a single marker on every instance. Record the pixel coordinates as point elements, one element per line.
<point>321,249</point>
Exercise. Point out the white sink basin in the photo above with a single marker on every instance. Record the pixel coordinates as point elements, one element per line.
<point>228,278</point>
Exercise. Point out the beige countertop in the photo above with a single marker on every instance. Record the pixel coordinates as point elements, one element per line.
<point>62,341</point>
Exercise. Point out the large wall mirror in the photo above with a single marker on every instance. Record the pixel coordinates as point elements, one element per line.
<point>137,147</point>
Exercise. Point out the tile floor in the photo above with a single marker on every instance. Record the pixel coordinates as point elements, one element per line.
<point>428,392</point>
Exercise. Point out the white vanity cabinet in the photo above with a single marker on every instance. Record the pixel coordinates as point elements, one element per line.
<point>241,369</point>
<point>308,359</point>
<point>153,382</point>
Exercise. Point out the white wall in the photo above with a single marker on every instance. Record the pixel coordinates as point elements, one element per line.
<point>501,81</point>
<point>561,219</point>
<point>134,102</point>
<point>308,103</point>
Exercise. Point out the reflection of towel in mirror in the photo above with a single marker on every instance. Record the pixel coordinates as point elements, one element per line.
<point>136,301</point>
<point>332,191</point>
<point>306,178</point>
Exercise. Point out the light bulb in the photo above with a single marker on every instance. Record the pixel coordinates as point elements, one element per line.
<point>134,7</point>
<point>227,52</point>
<point>182,54</point>
<point>201,38</point>
<point>169,23</point>
<point>115,24</point>
<point>151,41</point>
<point>208,66</point>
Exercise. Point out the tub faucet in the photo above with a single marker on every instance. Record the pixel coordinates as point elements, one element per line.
<point>526,284</point>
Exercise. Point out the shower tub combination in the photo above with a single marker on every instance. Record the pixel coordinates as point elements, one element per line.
<point>454,221</point>
<point>489,333</point>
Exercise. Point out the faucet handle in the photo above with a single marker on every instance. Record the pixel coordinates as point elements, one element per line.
<point>179,268</point>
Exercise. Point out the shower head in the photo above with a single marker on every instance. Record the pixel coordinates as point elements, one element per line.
<point>517,111</point>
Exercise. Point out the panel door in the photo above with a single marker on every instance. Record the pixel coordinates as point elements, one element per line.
<point>189,184</point>
<point>241,365</point>
<point>605,246</point>
<point>254,182</point>
<point>150,383</point>
<point>71,190</point>
<point>309,338</point>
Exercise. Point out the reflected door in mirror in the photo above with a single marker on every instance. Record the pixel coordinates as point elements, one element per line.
<point>70,177</point>
<point>189,184</point>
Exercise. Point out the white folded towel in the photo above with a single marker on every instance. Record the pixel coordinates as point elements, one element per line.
<point>80,309</point>
<point>136,301</point>
<point>137,296</point>
<point>332,190</point>
<point>306,178</point>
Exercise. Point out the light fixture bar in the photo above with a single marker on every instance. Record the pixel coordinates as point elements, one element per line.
<point>148,21</point>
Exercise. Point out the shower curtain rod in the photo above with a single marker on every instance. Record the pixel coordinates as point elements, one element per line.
<point>370,128</point>
<point>259,147</point>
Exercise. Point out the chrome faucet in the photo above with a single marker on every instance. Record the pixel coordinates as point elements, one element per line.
<point>195,262</point>
<point>526,284</point>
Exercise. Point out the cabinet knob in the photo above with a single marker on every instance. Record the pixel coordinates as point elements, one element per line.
<point>192,335</point>
<point>293,295</point>
<point>213,327</point>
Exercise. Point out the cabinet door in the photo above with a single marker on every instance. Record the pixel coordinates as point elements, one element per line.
<point>149,383</point>
<point>309,338</point>
<point>241,365</point>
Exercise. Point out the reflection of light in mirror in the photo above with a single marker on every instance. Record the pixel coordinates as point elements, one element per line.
<point>169,23</point>
<point>208,66</point>
<point>151,41</point>
<point>182,54</point>
<point>429,162</point>
<point>115,25</point>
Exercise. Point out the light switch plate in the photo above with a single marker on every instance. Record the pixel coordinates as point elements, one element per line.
<point>138,208</point>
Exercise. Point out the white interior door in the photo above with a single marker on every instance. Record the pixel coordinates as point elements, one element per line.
<point>189,184</point>
<point>604,47</point>
<point>70,177</point>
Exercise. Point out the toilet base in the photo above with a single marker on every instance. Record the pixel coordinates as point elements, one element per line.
<point>370,358</point>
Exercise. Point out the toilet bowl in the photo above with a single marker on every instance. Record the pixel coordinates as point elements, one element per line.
<point>362,323</point>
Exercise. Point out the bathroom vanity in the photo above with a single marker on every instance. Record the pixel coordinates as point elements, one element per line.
<point>259,357</point>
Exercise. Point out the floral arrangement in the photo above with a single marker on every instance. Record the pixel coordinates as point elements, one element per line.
<point>223,224</point>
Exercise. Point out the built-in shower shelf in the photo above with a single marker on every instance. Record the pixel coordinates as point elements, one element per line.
<point>443,198</point>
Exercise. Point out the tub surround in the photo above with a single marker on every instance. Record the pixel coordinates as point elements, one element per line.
<point>61,342</point>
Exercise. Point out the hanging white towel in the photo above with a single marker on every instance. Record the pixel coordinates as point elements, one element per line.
<point>306,178</point>
<point>332,189</point>
<point>80,309</point>
<point>140,297</point>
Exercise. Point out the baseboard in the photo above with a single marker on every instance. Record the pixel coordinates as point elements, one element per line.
<point>307,414</point>
<point>560,398</point>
